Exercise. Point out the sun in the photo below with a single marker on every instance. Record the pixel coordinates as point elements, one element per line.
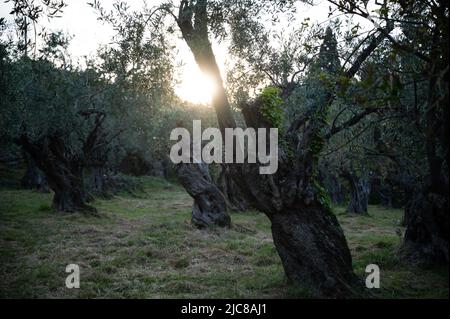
<point>195,86</point>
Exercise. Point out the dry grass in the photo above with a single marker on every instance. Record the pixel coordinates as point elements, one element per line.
<point>144,246</point>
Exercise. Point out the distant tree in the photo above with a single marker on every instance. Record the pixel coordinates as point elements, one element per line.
<point>56,116</point>
<point>419,74</point>
<point>26,17</point>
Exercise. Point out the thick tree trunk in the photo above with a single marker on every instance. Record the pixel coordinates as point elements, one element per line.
<point>209,207</point>
<point>34,178</point>
<point>234,198</point>
<point>67,183</point>
<point>64,175</point>
<point>427,229</point>
<point>308,238</point>
<point>359,192</point>
<point>314,251</point>
<point>70,197</point>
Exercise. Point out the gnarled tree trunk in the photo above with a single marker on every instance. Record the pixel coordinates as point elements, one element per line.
<point>64,175</point>
<point>313,250</point>
<point>427,229</point>
<point>70,195</point>
<point>209,207</point>
<point>307,235</point>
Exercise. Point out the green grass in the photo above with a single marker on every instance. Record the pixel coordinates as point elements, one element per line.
<point>144,246</point>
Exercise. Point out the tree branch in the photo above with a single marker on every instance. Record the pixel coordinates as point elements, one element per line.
<point>349,123</point>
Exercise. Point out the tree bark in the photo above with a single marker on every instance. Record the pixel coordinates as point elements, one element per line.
<point>314,251</point>
<point>230,190</point>
<point>359,192</point>
<point>64,175</point>
<point>427,229</point>
<point>70,195</point>
<point>332,184</point>
<point>209,207</point>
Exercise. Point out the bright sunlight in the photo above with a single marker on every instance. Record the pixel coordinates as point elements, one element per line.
<point>195,86</point>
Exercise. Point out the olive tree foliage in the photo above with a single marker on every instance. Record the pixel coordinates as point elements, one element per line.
<point>70,120</point>
<point>26,17</point>
<point>139,61</point>
<point>26,32</point>
<point>57,114</point>
<point>419,69</point>
<point>385,140</point>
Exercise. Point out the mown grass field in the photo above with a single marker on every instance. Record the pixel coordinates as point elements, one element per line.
<point>144,246</point>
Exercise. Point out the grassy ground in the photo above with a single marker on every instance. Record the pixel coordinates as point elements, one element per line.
<point>143,246</point>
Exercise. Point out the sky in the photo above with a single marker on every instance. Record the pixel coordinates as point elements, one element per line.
<point>80,21</point>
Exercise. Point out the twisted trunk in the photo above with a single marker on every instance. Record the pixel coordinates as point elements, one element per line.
<point>209,204</point>
<point>64,175</point>
<point>70,195</point>
<point>306,234</point>
<point>314,251</point>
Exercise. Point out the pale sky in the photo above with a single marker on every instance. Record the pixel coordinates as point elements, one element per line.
<point>80,21</point>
